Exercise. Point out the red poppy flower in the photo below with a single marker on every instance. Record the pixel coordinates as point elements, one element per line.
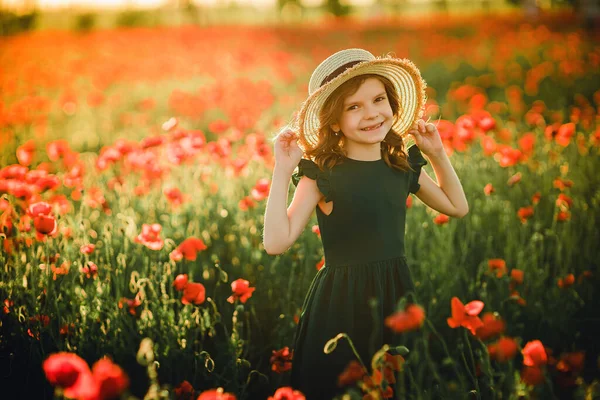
<point>584,275</point>
<point>281,360</point>
<point>497,265</point>
<point>514,295</point>
<point>316,230</point>
<point>25,153</point>
<point>377,377</point>
<point>441,219</point>
<point>216,394</point>
<point>193,293</point>
<point>527,142</point>
<point>534,354</point>
<point>516,276</point>
<point>85,388</point>
<point>503,350</point>
<point>241,291</point>
<point>287,393</point>
<point>320,264</point>
<point>353,373</point>
<point>71,373</point>
<point>110,378</point>
<point>150,236</point>
<point>567,281</point>
<point>152,141</point>
<point>493,325</point>
<point>565,132</point>
<point>63,369</point>
<point>174,196</point>
<point>190,247</point>
<point>90,269</point>
<point>246,203</point>
<point>562,184</point>
<point>67,329</point>
<point>508,156</point>
<point>388,363</point>
<point>184,391</point>
<point>218,126</point>
<point>14,171</point>
<point>571,362</point>
<point>260,191</point>
<point>41,208</point>
<point>488,189</point>
<point>57,149</point>
<point>514,179</point>
<point>465,315</point>
<point>132,304</point>
<point>7,305</point>
<point>45,224</point>
<point>564,202</point>
<point>525,213</point>
<point>532,375</point>
<point>410,319</point>
<point>62,270</point>
<point>180,281</point>
<point>87,248</point>
<point>562,216</point>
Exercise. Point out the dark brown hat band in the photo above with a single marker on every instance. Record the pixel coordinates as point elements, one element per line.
<point>338,71</point>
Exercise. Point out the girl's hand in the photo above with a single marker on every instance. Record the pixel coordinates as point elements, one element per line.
<point>427,138</point>
<point>287,152</point>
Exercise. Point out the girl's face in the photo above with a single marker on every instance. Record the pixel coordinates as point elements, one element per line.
<point>366,116</point>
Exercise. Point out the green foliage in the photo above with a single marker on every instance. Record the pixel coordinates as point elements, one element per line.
<point>336,8</point>
<point>85,22</point>
<point>134,18</point>
<point>12,24</point>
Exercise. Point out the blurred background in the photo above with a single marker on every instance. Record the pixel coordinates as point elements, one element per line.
<point>83,14</point>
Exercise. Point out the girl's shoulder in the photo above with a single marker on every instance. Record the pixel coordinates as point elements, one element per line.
<point>311,170</point>
<point>415,157</point>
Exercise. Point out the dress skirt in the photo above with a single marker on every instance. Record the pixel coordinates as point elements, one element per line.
<point>353,299</point>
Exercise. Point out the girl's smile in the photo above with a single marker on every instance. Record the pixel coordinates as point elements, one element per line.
<point>373,127</point>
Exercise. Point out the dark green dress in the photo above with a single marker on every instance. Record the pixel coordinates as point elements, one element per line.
<point>363,241</point>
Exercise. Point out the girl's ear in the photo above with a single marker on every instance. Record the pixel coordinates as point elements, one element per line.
<point>335,127</point>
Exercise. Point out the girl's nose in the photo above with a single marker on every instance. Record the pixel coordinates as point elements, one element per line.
<point>371,112</point>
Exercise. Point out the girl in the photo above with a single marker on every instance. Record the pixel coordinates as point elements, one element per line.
<point>357,175</point>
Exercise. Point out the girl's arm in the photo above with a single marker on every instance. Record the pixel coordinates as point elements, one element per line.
<point>283,227</point>
<point>447,198</point>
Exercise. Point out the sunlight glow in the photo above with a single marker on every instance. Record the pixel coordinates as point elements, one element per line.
<point>115,4</point>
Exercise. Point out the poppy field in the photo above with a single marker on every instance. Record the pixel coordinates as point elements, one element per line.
<point>135,165</point>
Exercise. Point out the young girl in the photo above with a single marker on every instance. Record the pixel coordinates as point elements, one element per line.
<point>357,176</point>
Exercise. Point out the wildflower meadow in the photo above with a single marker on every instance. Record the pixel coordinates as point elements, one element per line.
<point>134,170</point>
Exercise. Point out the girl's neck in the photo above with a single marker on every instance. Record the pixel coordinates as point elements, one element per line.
<point>364,153</point>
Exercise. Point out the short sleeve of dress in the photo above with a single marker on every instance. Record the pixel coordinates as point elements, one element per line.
<point>416,161</point>
<point>311,169</point>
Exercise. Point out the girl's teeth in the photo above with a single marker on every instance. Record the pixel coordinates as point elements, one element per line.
<point>375,127</point>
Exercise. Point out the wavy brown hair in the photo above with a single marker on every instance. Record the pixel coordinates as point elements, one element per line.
<point>330,149</point>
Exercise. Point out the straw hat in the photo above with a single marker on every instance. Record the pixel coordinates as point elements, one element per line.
<point>346,64</point>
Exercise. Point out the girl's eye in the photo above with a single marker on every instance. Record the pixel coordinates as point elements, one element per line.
<point>350,108</point>
<point>380,97</point>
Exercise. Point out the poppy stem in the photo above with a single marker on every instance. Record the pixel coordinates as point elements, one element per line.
<point>436,333</point>
<point>474,377</point>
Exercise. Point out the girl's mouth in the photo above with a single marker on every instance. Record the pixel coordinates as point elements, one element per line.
<point>373,128</point>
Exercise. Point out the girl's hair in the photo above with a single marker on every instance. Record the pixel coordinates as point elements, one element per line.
<point>329,150</point>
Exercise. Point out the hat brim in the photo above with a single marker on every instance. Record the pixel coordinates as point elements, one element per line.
<point>403,74</point>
